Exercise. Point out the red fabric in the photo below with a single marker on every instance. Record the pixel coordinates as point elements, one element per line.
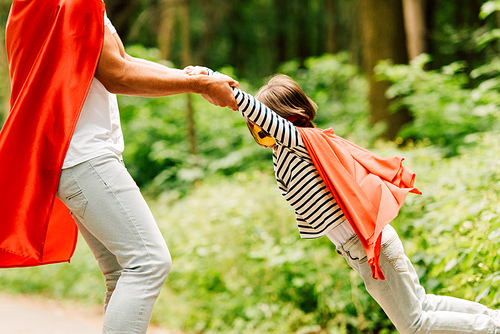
<point>293,118</point>
<point>53,47</point>
<point>369,189</point>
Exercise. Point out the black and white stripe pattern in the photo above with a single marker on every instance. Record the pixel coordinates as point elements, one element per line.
<point>316,210</point>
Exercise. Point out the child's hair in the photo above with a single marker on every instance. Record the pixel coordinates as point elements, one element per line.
<point>285,97</point>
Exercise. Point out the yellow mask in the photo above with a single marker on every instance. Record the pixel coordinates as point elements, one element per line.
<point>261,137</point>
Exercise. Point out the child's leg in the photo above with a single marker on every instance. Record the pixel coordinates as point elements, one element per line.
<point>404,300</point>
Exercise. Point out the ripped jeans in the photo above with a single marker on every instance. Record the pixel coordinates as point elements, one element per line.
<point>404,300</point>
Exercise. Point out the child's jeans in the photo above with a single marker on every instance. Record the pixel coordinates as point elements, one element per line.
<point>404,300</point>
<point>119,228</point>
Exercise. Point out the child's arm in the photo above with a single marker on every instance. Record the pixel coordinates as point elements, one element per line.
<point>279,128</point>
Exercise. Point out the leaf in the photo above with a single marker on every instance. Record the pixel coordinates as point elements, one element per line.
<point>488,8</point>
<point>450,265</point>
<point>483,294</point>
<point>483,40</point>
<point>495,234</point>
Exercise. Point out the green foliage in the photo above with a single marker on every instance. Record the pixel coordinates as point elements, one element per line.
<point>457,221</point>
<point>451,102</point>
<point>239,265</point>
<point>452,32</point>
<point>255,37</point>
<point>444,108</point>
<point>261,34</point>
<point>155,132</point>
<point>490,35</point>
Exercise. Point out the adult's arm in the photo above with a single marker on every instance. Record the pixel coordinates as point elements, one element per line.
<point>126,75</point>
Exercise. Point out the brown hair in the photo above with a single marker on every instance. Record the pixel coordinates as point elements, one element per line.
<point>285,97</point>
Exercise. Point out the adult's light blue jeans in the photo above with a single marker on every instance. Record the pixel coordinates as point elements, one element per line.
<point>405,301</point>
<point>119,228</point>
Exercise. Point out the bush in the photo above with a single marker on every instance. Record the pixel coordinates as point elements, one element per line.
<point>457,221</point>
<point>445,110</point>
<point>156,142</point>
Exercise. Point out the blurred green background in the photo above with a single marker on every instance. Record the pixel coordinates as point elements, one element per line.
<point>413,78</point>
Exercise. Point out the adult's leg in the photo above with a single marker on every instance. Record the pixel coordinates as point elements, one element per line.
<point>108,204</point>
<point>404,300</point>
<point>107,261</point>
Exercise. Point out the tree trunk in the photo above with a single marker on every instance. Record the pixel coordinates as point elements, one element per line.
<point>297,26</point>
<point>383,37</point>
<point>186,59</point>
<point>170,11</point>
<point>354,45</point>
<point>166,27</point>
<point>216,13</point>
<point>414,17</point>
<point>303,39</point>
<point>331,26</point>
<point>281,33</point>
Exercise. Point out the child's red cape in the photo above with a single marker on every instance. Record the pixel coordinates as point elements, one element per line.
<point>53,47</point>
<point>369,189</point>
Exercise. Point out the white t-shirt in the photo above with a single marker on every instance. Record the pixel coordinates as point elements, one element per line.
<point>98,130</point>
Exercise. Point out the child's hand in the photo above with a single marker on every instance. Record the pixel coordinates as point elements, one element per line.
<point>196,70</point>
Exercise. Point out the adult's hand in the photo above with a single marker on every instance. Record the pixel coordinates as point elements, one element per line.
<point>219,91</point>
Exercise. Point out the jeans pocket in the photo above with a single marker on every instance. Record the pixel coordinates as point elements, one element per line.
<point>353,251</point>
<point>355,255</point>
<point>71,194</point>
<point>392,249</point>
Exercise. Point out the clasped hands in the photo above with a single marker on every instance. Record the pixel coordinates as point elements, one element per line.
<point>219,91</point>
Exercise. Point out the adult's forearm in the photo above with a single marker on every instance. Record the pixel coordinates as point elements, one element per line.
<point>146,62</point>
<point>142,79</point>
<point>125,75</point>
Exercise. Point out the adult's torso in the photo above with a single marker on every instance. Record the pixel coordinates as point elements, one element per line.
<point>98,130</point>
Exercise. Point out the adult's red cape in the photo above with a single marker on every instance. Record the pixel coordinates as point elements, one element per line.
<point>53,47</point>
<point>369,189</point>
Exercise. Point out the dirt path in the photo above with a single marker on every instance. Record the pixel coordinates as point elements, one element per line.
<point>34,315</point>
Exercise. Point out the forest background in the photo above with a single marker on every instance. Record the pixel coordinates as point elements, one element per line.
<point>413,78</point>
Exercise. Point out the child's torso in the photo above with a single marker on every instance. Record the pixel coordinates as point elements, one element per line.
<point>316,210</point>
